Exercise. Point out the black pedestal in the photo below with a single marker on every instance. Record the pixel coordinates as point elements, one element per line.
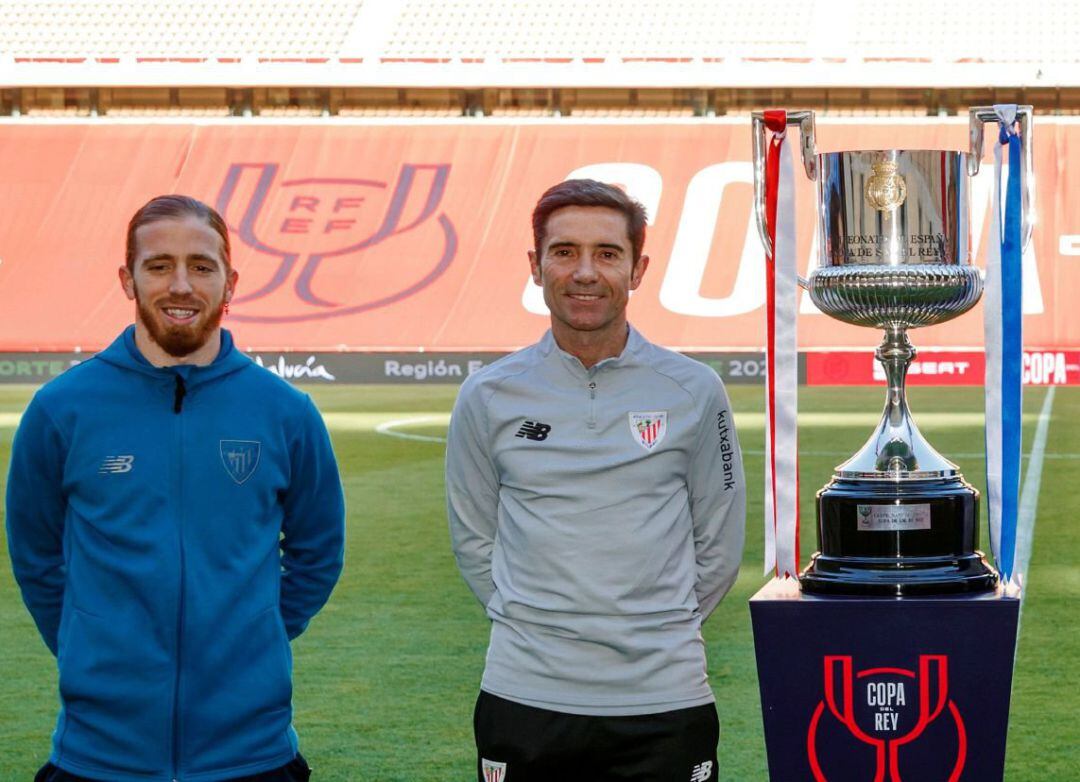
<point>855,689</point>
<point>898,538</point>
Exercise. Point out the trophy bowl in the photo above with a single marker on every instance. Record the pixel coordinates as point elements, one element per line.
<point>895,240</point>
<point>897,518</point>
<point>907,296</point>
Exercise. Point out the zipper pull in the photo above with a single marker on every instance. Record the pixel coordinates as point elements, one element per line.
<point>178,395</point>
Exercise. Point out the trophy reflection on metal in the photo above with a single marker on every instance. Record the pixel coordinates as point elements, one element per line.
<point>897,518</point>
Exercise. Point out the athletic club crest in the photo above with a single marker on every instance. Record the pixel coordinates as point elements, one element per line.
<point>648,428</point>
<point>493,772</point>
<point>240,458</point>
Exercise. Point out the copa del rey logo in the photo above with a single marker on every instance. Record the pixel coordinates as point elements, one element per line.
<point>888,711</point>
<point>312,248</point>
<point>648,428</point>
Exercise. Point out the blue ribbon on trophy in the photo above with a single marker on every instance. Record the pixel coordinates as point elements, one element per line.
<point>1005,340</point>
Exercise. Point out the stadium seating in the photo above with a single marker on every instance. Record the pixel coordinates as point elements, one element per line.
<point>188,29</point>
<point>524,30</point>
<point>967,32</point>
<point>551,32</point>
<point>453,58</point>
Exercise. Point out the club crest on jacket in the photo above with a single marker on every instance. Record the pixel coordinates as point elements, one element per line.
<point>240,458</point>
<point>648,428</point>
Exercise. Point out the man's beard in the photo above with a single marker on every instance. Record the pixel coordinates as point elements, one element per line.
<point>178,341</point>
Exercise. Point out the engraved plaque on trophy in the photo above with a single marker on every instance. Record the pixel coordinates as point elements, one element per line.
<point>897,518</point>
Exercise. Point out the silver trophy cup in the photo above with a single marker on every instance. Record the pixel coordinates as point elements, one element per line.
<point>897,518</point>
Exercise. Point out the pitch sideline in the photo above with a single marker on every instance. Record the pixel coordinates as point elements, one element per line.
<point>1029,493</point>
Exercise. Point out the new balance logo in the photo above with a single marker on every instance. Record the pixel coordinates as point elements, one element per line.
<point>702,772</point>
<point>534,430</point>
<point>116,464</point>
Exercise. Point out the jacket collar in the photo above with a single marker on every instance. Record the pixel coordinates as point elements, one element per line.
<point>629,356</point>
<point>124,353</point>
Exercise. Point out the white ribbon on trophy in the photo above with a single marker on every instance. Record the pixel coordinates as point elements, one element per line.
<point>782,357</point>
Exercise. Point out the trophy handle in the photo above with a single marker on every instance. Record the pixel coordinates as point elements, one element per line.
<point>805,120</point>
<point>978,116</point>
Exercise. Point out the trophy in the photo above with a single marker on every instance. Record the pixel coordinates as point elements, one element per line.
<point>897,518</point>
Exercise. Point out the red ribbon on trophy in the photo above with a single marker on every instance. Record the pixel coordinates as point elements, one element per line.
<point>782,358</point>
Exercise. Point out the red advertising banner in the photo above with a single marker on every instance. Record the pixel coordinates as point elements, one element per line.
<point>939,368</point>
<point>405,237</point>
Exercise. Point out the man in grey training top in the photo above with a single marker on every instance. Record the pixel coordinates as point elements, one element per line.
<point>597,503</point>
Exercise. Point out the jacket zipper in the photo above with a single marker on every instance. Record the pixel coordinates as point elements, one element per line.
<point>179,394</point>
<point>178,401</point>
<point>591,421</point>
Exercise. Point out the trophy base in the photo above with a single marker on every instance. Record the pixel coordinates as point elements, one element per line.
<point>898,577</point>
<point>898,538</point>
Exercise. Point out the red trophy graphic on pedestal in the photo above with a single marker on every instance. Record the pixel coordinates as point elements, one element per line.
<point>887,708</point>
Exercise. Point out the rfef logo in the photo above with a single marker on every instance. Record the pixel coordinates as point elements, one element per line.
<point>332,246</point>
<point>888,709</point>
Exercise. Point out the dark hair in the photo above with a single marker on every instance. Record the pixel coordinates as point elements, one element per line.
<point>170,207</point>
<point>589,192</point>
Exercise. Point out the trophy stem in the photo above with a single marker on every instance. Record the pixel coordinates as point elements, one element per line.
<point>895,354</point>
<point>897,450</point>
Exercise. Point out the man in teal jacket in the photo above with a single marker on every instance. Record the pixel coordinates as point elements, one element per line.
<point>175,518</point>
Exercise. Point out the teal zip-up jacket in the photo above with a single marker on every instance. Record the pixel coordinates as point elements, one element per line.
<point>171,530</point>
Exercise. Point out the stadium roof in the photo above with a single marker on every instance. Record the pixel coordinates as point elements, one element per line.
<point>550,43</point>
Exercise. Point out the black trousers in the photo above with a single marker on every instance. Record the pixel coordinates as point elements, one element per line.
<point>519,743</point>
<point>296,770</point>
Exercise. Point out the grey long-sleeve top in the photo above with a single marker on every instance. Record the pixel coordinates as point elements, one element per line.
<point>598,514</point>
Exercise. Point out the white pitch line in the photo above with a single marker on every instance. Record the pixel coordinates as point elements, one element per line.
<point>388,428</point>
<point>1029,494</point>
<point>952,454</point>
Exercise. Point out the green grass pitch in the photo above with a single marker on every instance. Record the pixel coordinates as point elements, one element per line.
<point>386,676</point>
